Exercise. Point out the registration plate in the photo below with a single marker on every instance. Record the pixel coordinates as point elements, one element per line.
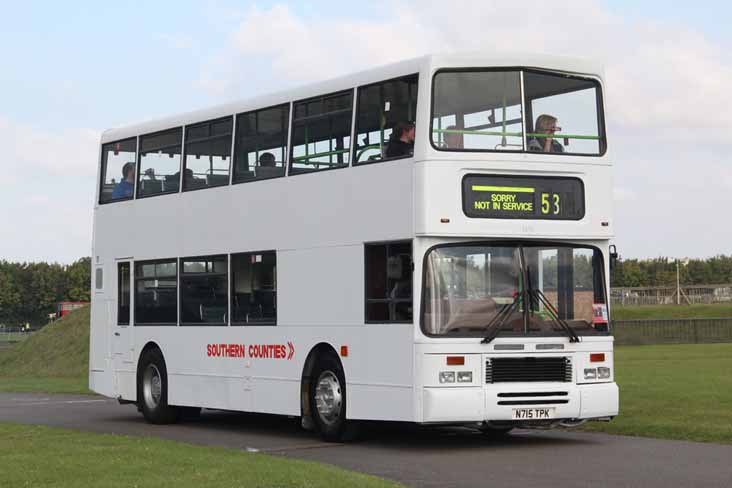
<point>532,413</point>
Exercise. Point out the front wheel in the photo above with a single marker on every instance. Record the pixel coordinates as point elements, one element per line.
<point>152,389</point>
<point>328,400</point>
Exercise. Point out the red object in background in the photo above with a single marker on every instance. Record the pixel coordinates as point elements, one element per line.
<point>65,308</point>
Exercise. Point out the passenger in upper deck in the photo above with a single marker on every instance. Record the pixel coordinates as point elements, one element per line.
<point>545,124</point>
<point>267,159</point>
<point>401,141</point>
<point>126,187</point>
<point>453,140</point>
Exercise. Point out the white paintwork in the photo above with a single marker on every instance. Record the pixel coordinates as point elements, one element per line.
<point>318,223</point>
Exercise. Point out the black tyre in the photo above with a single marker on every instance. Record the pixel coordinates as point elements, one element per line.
<point>327,394</point>
<point>152,389</point>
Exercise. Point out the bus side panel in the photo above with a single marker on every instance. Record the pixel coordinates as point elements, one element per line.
<point>380,375</point>
<point>101,378</point>
<point>253,368</point>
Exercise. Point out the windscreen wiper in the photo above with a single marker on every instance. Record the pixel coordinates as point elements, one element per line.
<point>498,320</point>
<point>540,297</point>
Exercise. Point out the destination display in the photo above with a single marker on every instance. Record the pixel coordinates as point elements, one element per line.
<point>523,197</point>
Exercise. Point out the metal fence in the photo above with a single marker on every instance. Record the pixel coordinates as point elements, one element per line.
<point>672,331</point>
<point>668,295</point>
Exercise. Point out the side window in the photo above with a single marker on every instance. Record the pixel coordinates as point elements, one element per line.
<point>118,171</point>
<point>321,133</point>
<point>477,111</point>
<point>203,290</point>
<point>123,294</point>
<point>156,292</point>
<point>208,147</point>
<point>254,288</point>
<point>389,282</point>
<point>385,113</point>
<point>566,108</point>
<point>261,144</point>
<point>159,167</point>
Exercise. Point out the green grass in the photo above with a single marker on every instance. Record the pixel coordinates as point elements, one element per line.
<point>674,392</point>
<point>52,360</point>
<point>714,310</point>
<point>46,456</point>
<point>30,384</point>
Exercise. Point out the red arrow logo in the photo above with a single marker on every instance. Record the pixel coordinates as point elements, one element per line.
<point>291,350</point>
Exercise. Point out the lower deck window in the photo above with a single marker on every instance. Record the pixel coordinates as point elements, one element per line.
<point>254,288</point>
<point>156,292</point>
<point>389,282</point>
<point>203,290</point>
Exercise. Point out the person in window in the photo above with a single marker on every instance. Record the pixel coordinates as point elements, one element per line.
<point>453,140</point>
<point>401,142</point>
<point>126,187</point>
<point>267,160</point>
<point>545,124</point>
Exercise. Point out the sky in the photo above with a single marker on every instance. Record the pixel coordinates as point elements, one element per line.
<point>72,69</point>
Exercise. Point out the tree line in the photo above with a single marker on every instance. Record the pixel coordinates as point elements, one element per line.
<point>716,270</point>
<point>29,292</point>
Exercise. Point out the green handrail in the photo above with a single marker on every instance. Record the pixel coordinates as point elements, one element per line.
<point>477,132</point>
<point>366,148</point>
<point>307,157</point>
<point>513,134</point>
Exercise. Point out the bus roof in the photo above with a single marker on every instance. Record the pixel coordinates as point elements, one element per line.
<point>424,65</point>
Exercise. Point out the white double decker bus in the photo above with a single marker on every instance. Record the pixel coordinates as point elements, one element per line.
<point>424,242</point>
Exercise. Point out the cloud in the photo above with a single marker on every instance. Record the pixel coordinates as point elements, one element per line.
<point>48,184</point>
<point>37,152</point>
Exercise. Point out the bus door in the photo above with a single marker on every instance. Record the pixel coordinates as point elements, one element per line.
<point>121,330</point>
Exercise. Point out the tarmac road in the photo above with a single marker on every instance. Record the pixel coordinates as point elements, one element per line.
<point>415,456</point>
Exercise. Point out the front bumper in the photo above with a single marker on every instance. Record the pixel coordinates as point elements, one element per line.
<point>488,403</point>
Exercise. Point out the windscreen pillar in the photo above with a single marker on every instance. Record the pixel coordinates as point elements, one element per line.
<point>565,283</point>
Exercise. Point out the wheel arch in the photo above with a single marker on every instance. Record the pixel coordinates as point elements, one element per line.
<point>148,347</point>
<point>319,350</point>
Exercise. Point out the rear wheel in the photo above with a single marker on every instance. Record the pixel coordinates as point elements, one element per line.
<point>152,389</point>
<point>328,400</point>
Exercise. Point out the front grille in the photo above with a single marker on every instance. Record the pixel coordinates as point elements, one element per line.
<point>515,370</point>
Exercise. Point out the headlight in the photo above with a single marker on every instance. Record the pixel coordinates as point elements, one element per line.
<point>590,373</point>
<point>465,376</point>
<point>603,373</point>
<point>447,376</point>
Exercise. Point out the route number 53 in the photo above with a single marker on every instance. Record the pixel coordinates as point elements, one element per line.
<point>549,203</point>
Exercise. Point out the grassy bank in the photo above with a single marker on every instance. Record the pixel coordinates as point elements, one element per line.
<point>674,392</point>
<point>53,360</point>
<point>45,456</point>
<point>714,310</point>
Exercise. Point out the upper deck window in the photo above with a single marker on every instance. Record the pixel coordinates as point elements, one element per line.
<point>477,111</point>
<point>568,105</point>
<point>118,171</point>
<point>381,108</point>
<point>261,144</point>
<point>208,147</point>
<point>321,133</point>
<point>485,110</point>
<point>159,167</point>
